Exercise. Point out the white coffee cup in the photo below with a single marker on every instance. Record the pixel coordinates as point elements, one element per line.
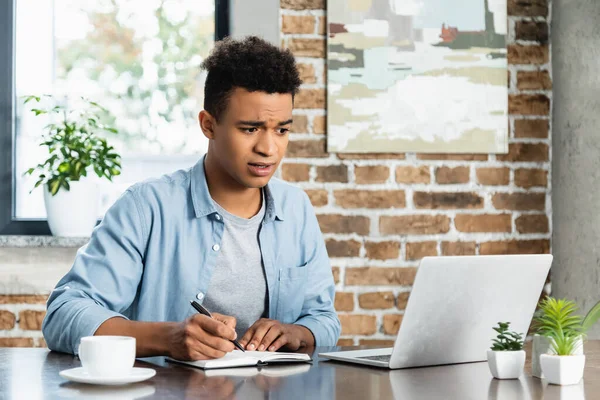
<point>105,356</point>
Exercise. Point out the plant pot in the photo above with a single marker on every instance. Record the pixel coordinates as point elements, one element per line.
<point>562,370</point>
<point>74,212</point>
<point>506,364</point>
<point>543,345</point>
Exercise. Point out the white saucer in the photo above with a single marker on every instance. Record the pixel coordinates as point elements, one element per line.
<point>80,375</point>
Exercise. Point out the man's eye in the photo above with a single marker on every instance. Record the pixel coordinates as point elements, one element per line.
<point>283,131</point>
<point>249,130</point>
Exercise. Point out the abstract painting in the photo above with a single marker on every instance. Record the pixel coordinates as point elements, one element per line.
<point>417,76</point>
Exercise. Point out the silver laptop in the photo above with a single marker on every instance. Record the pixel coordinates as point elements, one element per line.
<point>453,305</point>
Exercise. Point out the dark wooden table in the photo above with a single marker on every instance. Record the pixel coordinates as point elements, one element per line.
<point>33,374</point>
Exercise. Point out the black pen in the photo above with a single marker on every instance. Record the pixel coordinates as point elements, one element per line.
<point>204,311</point>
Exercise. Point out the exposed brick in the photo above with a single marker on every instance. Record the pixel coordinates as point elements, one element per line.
<point>298,24</point>
<point>300,124</point>
<point>335,271</point>
<point>370,198</point>
<point>295,172</point>
<point>382,250</point>
<point>358,324</point>
<point>371,156</point>
<point>519,201</point>
<point>493,176</point>
<point>371,174</point>
<point>23,299</point>
<point>318,197</point>
<point>345,342</point>
<point>344,301</point>
<point>414,224</point>
<point>391,323</point>
<point>31,320</point>
<point>413,174</point>
<point>310,98</point>
<point>303,4</point>
<point>458,248</point>
<point>532,223</point>
<point>7,320</point>
<point>376,300</point>
<point>541,246</point>
<point>531,128</point>
<point>319,125</point>
<point>483,223</point>
<point>306,148</point>
<point>332,173</point>
<point>524,54</point>
<point>402,300</point>
<point>527,8</point>
<point>447,175</point>
<point>336,223</point>
<point>403,276</point>
<point>531,30</point>
<point>527,178</point>
<point>452,157</point>
<point>307,73</point>
<point>447,200</point>
<point>525,152</point>
<point>343,248</point>
<point>41,343</point>
<point>16,342</point>
<point>418,250</point>
<point>322,26</point>
<point>307,47</point>
<point>376,342</point>
<point>528,104</point>
<point>533,80</point>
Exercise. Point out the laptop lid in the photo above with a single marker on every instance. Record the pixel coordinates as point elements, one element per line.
<point>455,301</point>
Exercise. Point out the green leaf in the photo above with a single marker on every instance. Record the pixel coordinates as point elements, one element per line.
<point>591,318</point>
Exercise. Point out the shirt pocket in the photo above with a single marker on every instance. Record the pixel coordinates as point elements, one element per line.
<point>292,288</point>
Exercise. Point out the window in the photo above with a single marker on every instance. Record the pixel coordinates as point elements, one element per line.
<point>138,58</point>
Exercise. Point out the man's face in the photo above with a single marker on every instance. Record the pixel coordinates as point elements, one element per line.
<point>251,137</point>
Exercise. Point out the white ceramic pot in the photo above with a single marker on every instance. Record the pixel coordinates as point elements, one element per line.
<point>562,370</point>
<point>506,364</point>
<point>543,345</point>
<point>72,213</point>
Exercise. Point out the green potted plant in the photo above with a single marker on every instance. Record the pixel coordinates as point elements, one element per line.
<point>506,357</point>
<point>75,147</point>
<point>557,321</point>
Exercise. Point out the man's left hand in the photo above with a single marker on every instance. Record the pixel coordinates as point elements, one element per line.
<point>271,335</point>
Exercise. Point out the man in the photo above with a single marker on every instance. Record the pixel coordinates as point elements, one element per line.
<point>222,233</point>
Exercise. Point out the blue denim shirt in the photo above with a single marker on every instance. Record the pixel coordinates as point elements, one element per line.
<point>156,248</point>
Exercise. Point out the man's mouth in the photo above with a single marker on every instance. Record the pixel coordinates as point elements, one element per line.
<point>261,165</point>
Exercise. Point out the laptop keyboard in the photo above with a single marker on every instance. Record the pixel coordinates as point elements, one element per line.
<point>384,358</point>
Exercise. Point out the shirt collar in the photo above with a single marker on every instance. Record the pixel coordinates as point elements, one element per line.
<point>204,204</point>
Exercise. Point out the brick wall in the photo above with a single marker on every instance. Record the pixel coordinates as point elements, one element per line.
<point>21,319</point>
<point>381,213</point>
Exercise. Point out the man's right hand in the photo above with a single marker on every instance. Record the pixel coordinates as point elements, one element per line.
<point>201,338</point>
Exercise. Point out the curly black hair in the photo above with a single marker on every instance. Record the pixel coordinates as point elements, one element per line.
<point>252,64</point>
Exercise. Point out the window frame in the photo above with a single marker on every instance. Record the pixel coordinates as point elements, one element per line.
<point>9,224</point>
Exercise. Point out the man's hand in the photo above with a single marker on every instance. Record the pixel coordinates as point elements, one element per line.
<point>201,338</point>
<point>271,335</point>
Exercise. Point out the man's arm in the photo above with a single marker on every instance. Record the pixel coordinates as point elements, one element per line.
<point>103,280</point>
<point>103,283</point>
<point>318,313</point>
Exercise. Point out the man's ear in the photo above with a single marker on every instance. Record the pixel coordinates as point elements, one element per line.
<point>207,124</point>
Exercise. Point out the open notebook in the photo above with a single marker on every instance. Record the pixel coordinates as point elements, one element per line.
<point>239,358</point>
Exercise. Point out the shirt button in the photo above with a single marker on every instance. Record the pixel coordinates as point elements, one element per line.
<point>200,296</point>
<point>218,217</point>
<point>216,247</point>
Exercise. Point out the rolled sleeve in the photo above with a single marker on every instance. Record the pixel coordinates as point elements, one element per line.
<point>318,312</point>
<point>103,280</point>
